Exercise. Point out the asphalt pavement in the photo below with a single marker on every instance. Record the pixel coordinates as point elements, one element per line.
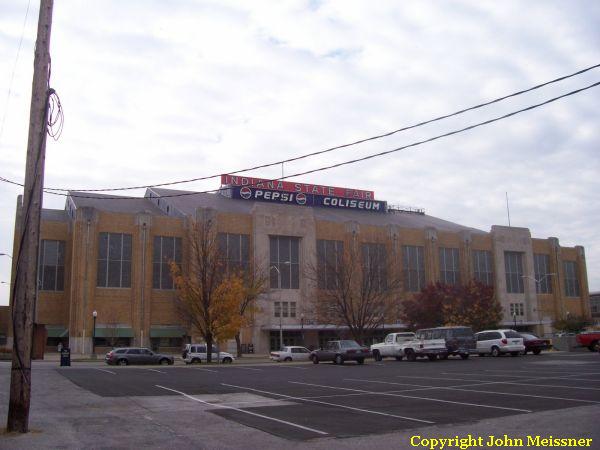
<point>301,405</point>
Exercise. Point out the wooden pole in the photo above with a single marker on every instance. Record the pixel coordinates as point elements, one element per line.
<point>25,292</point>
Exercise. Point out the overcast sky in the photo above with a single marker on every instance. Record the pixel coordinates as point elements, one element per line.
<point>156,91</point>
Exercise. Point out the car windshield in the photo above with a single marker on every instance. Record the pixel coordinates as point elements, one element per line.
<point>349,344</point>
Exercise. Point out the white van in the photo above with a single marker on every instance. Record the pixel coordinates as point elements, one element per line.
<point>497,342</point>
<point>196,354</point>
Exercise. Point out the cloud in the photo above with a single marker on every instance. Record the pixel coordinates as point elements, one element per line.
<point>155,92</point>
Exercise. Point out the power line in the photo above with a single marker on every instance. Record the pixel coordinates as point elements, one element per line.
<point>361,141</point>
<point>12,75</point>
<point>352,161</point>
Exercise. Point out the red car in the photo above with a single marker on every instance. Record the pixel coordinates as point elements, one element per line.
<point>535,344</point>
<point>589,339</point>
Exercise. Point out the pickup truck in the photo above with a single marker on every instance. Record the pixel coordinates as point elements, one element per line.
<point>424,345</point>
<point>589,339</point>
<point>391,346</point>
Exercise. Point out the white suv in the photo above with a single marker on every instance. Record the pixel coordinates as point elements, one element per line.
<point>196,353</point>
<point>497,342</point>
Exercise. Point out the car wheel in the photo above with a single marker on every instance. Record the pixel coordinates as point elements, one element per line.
<point>315,359</point>
<point>287,359</point>
<point>122,362</point>
<point>164,362</point>
<point>377,356</point>
<point>411,355</point>
<point>338,359</point>
<point>594,346</point>
<point>227,360</point>
<point>432,357</point>
<point>495,352</point>
<point>360,360</point>
<point>464,355</point>
<point>537,351</point>
<point>398,358</point>
<point>196,361</point>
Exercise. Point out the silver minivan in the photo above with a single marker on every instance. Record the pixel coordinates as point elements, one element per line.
<point>498,342</point>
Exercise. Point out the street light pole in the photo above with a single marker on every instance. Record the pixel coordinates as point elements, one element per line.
<point>515,318</point>
<point>280,306</point>
<point>94,315</point>
<point>302,328</point>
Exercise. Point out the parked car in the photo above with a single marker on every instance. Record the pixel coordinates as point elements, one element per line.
<point>459,340</point>
<point>136,355</point>
<point>534,344</point>
<point>498,342</point>
<point>425,344</point>
<point>291,353</point>
<point>196,353</point>
<point>589,339</point>
<point>340,352</point>
<point>391,346</point>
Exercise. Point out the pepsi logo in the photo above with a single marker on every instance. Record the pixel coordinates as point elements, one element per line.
<point>245,193</point>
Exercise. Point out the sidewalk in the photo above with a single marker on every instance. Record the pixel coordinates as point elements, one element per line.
<point>245,359</point>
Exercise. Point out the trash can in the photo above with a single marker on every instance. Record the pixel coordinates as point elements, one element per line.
<point>65,357</point>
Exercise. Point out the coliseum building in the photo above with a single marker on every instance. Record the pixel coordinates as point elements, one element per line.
<point>109,255</point>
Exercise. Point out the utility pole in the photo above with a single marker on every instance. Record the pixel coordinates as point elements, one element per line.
<point>25,286</point>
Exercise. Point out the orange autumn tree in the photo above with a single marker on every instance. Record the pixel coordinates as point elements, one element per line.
<point>473,305</point>
<point>209,297</point>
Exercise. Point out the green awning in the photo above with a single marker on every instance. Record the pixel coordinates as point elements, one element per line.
<point>167,332</point>
<point>56,331</point>
<point>114,332</point>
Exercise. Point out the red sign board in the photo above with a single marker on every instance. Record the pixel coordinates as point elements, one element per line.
<point>290,186</point>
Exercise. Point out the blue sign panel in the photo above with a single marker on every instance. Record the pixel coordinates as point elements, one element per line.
<point>302,199</point>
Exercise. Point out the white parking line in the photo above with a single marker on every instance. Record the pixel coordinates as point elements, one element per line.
<point>108,371</point>
<point>564,372</point>
<point>330,404</point>
<point>292,367</point>
<point>566,377</point>
<point>323,433</point>
<point>205,370</point>
<point>246,368</point>
<point>508,382</point>
<point>155,370</point>
<point>417,398</point>
<point>459,388</point>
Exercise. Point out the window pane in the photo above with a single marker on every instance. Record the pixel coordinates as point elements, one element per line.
<point>245,248</point>
<point>166,280</point>
<point>60,278</point>
<point>168,250</point>
<point>156,250</point>
<point>114,246</point>
<point>156,275</point>
<point>126,247</point>
<point>234,250</point>
<point>103,246</point>
<point>126,275</point>
<point>178,254</point>
<point>101,274</point>
<point>114,274</point>
<point>49,278</point>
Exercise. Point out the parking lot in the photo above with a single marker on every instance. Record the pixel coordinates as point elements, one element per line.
<point>306,401</point>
